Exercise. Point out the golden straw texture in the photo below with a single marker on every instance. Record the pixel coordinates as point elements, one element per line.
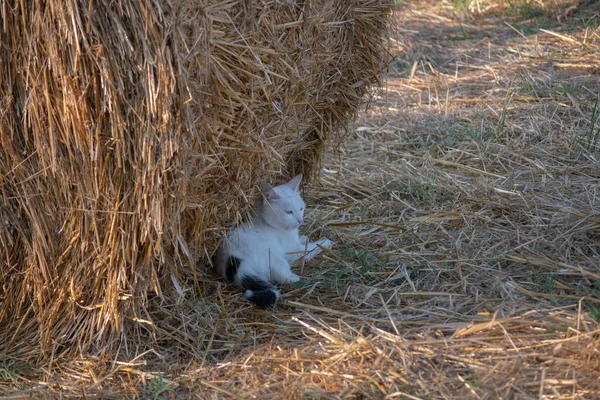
<point>133,133</point>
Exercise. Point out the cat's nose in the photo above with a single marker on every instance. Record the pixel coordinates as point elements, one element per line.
<point>300,221</point>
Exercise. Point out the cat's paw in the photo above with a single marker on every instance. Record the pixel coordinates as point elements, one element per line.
<point>325,243</point>
<point>292,278</point>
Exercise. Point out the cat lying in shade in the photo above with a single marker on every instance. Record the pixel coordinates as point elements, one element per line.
<point>258,255</point>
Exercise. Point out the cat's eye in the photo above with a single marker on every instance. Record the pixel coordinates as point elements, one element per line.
<point>289,212</point>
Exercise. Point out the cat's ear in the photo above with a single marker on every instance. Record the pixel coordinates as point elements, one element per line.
<point>295,183</point>
<point>269,192</point>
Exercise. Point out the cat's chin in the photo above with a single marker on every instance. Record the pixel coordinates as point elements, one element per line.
<point>285,227</point>
<point>289,227</point>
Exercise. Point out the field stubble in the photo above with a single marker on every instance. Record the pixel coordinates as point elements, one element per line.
<point>465,210</point>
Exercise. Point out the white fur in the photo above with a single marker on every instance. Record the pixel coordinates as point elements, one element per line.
<point>270,242</point>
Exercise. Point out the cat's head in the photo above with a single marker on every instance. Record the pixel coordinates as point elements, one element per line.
<point>282,206</point>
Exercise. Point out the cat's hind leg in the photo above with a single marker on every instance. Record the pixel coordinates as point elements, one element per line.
<point>281,272</point>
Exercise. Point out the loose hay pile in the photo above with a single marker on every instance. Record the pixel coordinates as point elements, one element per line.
<point>132,132</point>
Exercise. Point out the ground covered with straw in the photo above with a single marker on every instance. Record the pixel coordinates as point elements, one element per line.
<point>134,133</point>
<point>465,210</point>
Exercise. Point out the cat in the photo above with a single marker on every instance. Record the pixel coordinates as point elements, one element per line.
<point>258,255</point>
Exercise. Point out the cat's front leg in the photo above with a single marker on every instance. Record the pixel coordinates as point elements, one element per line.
<point>297,249</point>
<point>314,248</point>
<point>324,242</point>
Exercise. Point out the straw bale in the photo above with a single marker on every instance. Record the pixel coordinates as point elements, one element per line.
<point>133,133</point>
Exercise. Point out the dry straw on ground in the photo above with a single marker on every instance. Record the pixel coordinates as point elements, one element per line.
<point>465,211</point>
<point>133,132</point>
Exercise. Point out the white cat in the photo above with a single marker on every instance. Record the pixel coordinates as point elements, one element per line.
<point>258,254</point>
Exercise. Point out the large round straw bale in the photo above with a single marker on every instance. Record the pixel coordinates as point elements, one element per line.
<point>134,132</point>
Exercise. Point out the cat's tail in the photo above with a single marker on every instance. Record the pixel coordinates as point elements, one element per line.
<point>262,293</point>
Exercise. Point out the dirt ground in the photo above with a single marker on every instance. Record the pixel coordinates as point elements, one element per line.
<point>465,211</point>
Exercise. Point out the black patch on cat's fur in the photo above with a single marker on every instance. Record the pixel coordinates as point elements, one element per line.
<point>255,284</point>
<point>264,294</point>
<point>231,268</point>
